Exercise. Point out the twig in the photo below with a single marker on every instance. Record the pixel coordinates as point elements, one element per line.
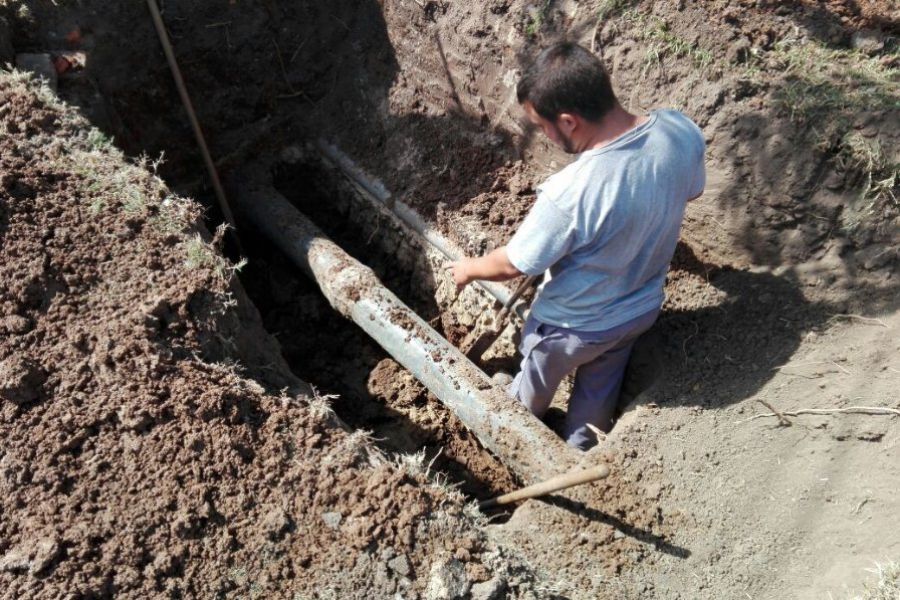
<point>861,410</point>
<point>293,91</point>
<point>226,25</point>
<point>281,64</point>
<point>781,418</point>
<point>297,51</point>
<point>861,318</point>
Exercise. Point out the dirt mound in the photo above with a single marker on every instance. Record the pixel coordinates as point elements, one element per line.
<point>135,461</point>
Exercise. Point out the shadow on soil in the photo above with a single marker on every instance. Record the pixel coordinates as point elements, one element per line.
<point>642,535</point>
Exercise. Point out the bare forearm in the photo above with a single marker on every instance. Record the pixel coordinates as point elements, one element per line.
<point>494,266</point>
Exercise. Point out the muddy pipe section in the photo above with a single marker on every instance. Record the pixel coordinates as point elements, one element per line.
<point>520,441</point>
<point>375,192</point>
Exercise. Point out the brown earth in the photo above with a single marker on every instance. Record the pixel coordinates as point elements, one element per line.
<point>773,260</point>
<point>138,458</point>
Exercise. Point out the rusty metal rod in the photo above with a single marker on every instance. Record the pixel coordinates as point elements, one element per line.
<point>192,116</point>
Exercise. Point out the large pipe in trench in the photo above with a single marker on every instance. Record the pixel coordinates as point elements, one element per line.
<point>506,428</point>
<point>378,195</point>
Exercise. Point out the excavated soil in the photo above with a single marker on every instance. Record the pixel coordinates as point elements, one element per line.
<point>138,460</point>
<point>783,265</point>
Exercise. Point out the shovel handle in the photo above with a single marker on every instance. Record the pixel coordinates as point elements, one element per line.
<point>523,285</point>
<point>554,484</point>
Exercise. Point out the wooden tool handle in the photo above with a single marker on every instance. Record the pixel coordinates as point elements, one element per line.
<point>501,315</point>
<point>192,116</point>
<point>560,482</point>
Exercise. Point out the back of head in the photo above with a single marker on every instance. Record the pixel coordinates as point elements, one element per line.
<point>567,78</point>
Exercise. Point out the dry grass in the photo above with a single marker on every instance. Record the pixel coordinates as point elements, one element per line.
<point>825,91</point>
<point>887,586</point>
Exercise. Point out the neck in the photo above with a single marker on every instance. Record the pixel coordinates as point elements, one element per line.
<point>615,123</point>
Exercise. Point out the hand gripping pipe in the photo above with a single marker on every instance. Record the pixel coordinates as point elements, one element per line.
<point>519,440</point>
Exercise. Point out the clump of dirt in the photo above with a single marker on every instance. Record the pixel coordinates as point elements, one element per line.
<point>137,459</point>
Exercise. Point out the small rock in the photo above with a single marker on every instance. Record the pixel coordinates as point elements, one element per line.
<point>332,519</point>
<point>400,565</point>
<point>20,380</point>
<point>501,379</point>
<point>492,589</point>
<point>14,560</point>
<point>15,324</point>
<point>868,41</point>
<point>276,523</point>
<point>164,563</point>
<point>447,581</point>
<point>45,552</point>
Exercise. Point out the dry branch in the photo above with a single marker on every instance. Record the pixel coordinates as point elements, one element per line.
<point>781,418</point>
<point>861,410</point>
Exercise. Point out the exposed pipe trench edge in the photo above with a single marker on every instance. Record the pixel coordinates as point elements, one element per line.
<point>506,428</point>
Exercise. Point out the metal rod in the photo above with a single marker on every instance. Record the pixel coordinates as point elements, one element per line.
<point>506,428</point>
<point>192,116</point>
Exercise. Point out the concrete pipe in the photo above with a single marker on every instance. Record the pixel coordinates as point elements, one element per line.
<point>376,193</point>
<point>522,442</point>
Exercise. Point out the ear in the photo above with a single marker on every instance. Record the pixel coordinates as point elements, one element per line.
<point>567,122</point>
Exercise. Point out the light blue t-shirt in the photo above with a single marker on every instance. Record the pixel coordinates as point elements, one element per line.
<point>605,228</point>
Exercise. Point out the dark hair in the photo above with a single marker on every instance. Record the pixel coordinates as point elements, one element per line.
<point>568,78</point>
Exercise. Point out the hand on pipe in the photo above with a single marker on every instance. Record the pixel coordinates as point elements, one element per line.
<point>460,270</point>
<point>494,266</point>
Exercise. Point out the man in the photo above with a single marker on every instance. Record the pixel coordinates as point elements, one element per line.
<point>604,229</point>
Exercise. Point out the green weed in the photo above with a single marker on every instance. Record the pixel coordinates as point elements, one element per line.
<point>832,84</point>
<point>663,42</point>
<point>98,141</point>
<point>823,91</point>
<point>868,168</point>
<point>535,18</point>
<point>202,255</point>
<point>609,8</point>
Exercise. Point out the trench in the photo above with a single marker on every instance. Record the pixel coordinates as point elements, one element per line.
<point>368,389</point>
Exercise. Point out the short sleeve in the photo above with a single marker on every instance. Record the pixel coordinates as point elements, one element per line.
<point>545,236</point>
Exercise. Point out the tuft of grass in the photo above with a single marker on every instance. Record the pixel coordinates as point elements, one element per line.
<point>535,17</point>
<point>202,255</point>
<point>832,85</point>
<point>888,585</point>
<point>823,91</point>
<point>98,141</point>
<point>610,8</point>
<point>869,169</point>
<point>662,41</point>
